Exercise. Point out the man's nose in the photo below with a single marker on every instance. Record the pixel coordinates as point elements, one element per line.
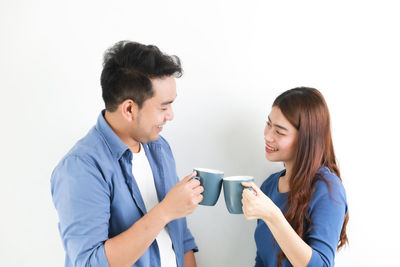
<point>170,115</point>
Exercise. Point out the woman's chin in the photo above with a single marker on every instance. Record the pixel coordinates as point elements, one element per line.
<point>270,157</point>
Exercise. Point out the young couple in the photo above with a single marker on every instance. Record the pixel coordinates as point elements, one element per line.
<point>120,202</point>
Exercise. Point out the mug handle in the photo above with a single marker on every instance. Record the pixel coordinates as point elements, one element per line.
<point>196,178</point>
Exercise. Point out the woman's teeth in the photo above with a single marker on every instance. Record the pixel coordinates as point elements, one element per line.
<point>271,148</point>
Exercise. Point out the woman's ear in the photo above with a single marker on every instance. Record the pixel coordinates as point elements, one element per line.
<point>129,110</point>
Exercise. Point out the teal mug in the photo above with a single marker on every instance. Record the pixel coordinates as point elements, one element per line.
<point>233,189</point>
<point>211,181</point>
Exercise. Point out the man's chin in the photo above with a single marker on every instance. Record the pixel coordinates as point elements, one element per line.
<point>153,138</point>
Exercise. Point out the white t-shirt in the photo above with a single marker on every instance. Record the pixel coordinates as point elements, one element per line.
<point>141,170</point>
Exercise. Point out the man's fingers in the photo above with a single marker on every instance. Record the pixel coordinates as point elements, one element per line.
<point>193,174</point>
<point>188,178</point>
<point>198,189</point>
<point>194,183</point>
<point>199,198</point>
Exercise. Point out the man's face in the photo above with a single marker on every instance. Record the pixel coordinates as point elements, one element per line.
<point>156,111</point>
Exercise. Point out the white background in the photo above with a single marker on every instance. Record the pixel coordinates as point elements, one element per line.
<point>237,57</point>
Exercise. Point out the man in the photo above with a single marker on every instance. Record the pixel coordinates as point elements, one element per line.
<point>116,192</point>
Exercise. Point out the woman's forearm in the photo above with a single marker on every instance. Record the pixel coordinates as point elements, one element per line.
<point>296,250</point>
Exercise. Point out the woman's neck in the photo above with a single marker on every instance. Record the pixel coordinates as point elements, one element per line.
<point>284,185</point>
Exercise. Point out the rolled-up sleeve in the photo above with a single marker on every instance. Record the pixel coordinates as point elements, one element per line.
<point>188,242</point>
<point>82,199</point>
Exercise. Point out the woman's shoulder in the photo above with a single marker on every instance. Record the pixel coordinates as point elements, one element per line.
<point>329,184</point>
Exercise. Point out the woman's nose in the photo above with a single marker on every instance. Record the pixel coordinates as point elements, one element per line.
<point>267,134</point>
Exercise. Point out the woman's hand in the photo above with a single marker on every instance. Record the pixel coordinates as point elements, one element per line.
<point>256,205</point>
<point>260,206</point>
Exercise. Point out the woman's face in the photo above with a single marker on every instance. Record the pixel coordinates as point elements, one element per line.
<point>280,138</point>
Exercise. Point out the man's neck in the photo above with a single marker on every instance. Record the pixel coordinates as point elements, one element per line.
<point>117,125</point>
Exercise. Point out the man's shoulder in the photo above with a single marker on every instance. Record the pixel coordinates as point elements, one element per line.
<point>89,155</point>
<point>90,148</point>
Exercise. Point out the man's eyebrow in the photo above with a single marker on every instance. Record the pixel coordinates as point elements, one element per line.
<point>277,125</point>
<point>169,101</point>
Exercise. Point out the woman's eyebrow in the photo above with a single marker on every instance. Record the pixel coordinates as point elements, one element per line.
<point>277,125</point>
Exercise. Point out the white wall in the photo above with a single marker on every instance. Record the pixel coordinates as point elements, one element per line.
<point>237,58</point>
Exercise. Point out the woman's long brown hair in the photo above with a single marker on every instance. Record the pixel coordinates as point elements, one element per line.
<point>305,108</point>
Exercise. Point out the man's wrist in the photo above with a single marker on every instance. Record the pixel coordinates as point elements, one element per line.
<point>162,213</point>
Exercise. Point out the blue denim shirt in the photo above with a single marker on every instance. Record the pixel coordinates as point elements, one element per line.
<point>97,198</point>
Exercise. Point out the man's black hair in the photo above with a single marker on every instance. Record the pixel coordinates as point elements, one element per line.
<point>127,70</point>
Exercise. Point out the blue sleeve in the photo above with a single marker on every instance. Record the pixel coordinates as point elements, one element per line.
<point>327,214</point>
<point>188,242</point>
<point>82,199</point>
<point>188,239</point>
<point>259,262</point>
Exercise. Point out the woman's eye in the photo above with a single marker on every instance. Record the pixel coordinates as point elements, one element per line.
<point>279,133</point>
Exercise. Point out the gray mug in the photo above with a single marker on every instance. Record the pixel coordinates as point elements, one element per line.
<point>233,189</point>
<point>211,181</point>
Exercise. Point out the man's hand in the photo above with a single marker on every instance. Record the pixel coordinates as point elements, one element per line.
<point>183,198</point>
<point>127,247</point>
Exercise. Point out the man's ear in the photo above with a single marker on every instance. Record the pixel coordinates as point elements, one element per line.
<point>129,110</point>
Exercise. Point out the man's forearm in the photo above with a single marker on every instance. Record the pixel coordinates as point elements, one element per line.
<point>126,248</point>
<point>189,259</point>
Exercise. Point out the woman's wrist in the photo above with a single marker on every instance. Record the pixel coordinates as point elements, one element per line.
<point>274,217</point>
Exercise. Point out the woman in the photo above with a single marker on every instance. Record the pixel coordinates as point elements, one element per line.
<point>301,210</point>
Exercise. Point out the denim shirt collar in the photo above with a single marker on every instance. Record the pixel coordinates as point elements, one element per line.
<point>114,143</point>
